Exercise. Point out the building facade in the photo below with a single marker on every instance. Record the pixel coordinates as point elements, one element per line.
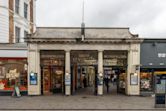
<point>17,18</point>
<point>13,68</point>
<point>59,60</point>
<point>153,61</point>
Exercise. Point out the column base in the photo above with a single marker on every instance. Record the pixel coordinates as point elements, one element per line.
<point>67,91</point>
<point>100,90</point>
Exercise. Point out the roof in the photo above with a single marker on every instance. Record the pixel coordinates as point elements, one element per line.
<point>75,32</point>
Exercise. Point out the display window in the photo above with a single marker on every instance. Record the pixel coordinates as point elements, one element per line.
<point>122,81</point>
<point>13,71</point>
<point>146,81</point>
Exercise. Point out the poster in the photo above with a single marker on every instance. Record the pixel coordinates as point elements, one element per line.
<point>33,78</point>
<point>133,79</point>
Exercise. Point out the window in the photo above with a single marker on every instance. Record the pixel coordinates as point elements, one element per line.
<point>25,10</point>
<point>25,34</point>
<point>17,6</point>
<point>13,70</point>
<point>17,34</point>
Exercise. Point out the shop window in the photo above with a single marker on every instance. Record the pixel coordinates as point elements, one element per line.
<point>13,71</point>
<point>146,81</point>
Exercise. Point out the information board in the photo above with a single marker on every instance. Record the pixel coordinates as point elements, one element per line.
<point>33,78</point>
<point>160,90</point>
<point>161,84</point>
<point>133,79</point>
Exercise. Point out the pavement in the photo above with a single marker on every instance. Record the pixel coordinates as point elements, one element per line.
<point>79,102</point>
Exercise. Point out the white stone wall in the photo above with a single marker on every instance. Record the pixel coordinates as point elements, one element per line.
<point>4,21</point>
<point>20,21</point>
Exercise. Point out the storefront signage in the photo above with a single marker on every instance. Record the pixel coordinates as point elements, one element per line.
<point>52,56</point>
<point>33,78</point>
<point>114,56</point>
<point>111,62</point>
<point>161,55</point>
<point>133,79</point>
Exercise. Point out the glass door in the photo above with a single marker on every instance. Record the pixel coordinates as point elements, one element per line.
<point>57,81</point>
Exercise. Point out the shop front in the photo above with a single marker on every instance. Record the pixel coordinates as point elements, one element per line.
<point>66,63</point>
<point>153,59</point>
<point>52,72</point>
<point>13,69</point>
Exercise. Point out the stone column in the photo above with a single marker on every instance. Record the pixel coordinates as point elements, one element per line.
<point>67,74</point>
<point>133,71</point>
<point>100,73</point>
<point>34,88</point>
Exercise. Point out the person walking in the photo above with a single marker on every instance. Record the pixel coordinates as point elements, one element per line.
<point>106,81</point>
<point>85,82</point>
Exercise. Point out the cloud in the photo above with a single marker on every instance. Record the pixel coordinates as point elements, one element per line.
<point>145,17</point>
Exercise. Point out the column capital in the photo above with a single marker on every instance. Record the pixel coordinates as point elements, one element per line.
<point>100,50</point>
<point>67,50</point>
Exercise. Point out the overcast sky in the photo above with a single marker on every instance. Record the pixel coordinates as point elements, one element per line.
<point>144,17</point>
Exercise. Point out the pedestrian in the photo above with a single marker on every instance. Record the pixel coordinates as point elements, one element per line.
<point>106,81</point>
<point>85,82</point>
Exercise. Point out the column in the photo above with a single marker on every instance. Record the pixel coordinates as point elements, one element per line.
<point>100,73</point>
<point>34,86</point>
<point>133,73</point>
<point>67,74</point>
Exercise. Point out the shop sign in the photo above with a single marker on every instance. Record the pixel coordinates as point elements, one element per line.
<point>111,62</point>
<point>133,79</point>
<point>114,56</point>
<point>52,56</point>
<point>161,55</point>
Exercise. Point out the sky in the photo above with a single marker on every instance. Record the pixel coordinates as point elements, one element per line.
<point>144,17</point>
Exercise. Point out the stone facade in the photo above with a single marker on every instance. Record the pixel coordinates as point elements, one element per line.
<point>99,39</point>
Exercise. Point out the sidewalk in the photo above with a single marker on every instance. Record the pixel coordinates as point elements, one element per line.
<point>77,102</point>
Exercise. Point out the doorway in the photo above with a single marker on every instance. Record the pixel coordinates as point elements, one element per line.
<point>52,72</point>
<point>115,72</point>
<point>84,80</point>
<point>116,80</point>
<point>84,72</point>
<point>52,80</point>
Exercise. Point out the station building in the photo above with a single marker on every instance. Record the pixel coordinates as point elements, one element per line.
<point>60,58</point>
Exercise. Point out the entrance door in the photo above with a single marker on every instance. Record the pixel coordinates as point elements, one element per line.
<point>52,81</point>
